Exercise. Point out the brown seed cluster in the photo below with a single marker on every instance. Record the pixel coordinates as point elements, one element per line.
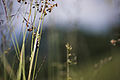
<point>30,29</point>
<point>45,6</point>
<point>114,42</point>
<point>27,24</point>
<point>25,2</point>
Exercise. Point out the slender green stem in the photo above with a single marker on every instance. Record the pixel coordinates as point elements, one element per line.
<point>35,65</point>
<point>34,48</point>
<point>21,57</point>
<point>68,76</point>
<point>20,68</point>
<point>33,31</point>
<point>7,67</point>
<point>17,50</point>
<point>4,68</point>
<point>13,64</point>
<point>21,64</point>
<point>15,47</point>
<point>40,68</point>
<point>37,50</point>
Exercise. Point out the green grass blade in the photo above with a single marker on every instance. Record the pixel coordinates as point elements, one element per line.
<point>37,50</point>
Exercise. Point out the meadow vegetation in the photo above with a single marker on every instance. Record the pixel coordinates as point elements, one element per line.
<point>53,53</point>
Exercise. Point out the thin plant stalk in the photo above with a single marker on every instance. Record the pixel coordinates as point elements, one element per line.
<point>13,32</point>
<point>12,66</point>
<point>7,66</point>
<point>34,48</point>
<point>20,68</point>
<point>23,48</point>
<point>4,62</point>
<point>40,67</point>
<point>33,31</point>
<point>38,49</point>
<point>68,71</point>
<point>23,66</point>
<point>5,7</point>
<point>15,47</point>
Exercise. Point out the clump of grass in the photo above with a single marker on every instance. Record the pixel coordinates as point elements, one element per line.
<point>43,7</point>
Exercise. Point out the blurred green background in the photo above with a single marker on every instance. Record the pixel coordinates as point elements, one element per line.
<point>97,58</point>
